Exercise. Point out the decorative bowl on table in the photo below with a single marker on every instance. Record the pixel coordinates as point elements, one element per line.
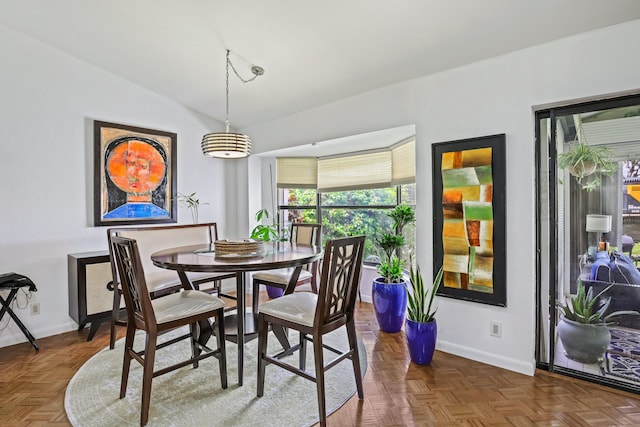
<point>240,248</point>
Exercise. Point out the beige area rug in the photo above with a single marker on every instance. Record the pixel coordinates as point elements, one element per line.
<point>193,397</point>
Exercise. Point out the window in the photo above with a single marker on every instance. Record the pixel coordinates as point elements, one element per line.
<point>347,213</point>
<point>349,194</point>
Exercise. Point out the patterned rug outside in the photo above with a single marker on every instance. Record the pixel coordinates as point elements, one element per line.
<point>622,358</point>
<point>189,397</point>
<point>625,342</point>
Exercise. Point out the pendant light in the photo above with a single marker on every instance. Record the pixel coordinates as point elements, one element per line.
<point>229,145</point>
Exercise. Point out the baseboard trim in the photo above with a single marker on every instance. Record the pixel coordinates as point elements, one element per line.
<point>17,337</point>
<point>487,358</point>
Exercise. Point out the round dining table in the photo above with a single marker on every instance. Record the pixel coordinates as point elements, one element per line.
<point>203,258</point>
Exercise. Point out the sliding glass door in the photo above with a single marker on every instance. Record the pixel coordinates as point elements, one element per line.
<point>588,201</point>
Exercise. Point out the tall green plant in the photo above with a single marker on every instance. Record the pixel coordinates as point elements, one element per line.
<point>391,243</point>
<point>391,268</point>
<point>402,215</point>
<point>420,297</point>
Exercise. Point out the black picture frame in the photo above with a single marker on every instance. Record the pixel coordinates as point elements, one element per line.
<point>135,177</point>
<point>462,172</point>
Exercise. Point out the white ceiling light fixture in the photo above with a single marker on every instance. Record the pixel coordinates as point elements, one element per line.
<point>229,145</point>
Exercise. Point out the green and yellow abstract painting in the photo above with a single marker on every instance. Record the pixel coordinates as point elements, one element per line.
<point>467,209</point>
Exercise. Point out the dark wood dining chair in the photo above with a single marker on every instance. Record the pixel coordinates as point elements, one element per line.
<point>316,315</point>
<point>159,281</point>
<point>161,315</point>
<point>304,234</point>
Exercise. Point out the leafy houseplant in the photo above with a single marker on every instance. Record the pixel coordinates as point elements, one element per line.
<point>584,161</point>
<point>267,232</point>
<point>421,328</point>
<point>389,291</point>
<point>583,326</point>
<point>192,203</point>
<point>391,268</point>
<point>392,244</point>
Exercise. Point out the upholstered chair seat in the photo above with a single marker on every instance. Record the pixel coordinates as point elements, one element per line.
<point>184,304</point>
<point>281,275</point>
<point>299,307</point>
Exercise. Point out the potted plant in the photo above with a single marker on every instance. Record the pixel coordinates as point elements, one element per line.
<point>266,232</point>
<point>389,291</point>
<point>583,327</point>
<point>421,328</point>
<point>192,203</point>
<point>583,161</point>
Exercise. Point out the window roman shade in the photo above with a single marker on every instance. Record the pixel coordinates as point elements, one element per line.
<point>403,163</point>
<point>356,171</point>
<point>296,172</point>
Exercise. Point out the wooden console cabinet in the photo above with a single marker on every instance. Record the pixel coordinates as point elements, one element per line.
<point>90,289</point>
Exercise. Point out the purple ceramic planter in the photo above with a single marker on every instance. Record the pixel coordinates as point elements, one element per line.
<point>389,304</point>
<point>274,292</point>
<point>421,339</point>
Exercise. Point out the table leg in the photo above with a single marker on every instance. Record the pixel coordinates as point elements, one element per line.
<point>293,281</point>
<point>240,304</point>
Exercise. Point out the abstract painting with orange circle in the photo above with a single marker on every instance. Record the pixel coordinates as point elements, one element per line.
<point>135,175</point>
<point>469,218</point>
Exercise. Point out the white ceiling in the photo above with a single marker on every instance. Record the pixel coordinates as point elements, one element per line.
<point>313,52</point>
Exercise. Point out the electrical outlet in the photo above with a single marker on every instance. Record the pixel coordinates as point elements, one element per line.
<point>35,308</point>
<point>496,329</point>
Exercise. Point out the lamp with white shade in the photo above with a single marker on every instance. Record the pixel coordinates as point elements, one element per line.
<point>599,224</point>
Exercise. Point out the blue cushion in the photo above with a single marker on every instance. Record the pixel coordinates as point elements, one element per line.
<point>623,270</point>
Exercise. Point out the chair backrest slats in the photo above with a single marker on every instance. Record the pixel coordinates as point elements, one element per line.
<point>134,287</point>
<point>340,278</point>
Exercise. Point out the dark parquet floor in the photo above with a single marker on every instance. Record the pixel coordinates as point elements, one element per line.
<point>452,391</point>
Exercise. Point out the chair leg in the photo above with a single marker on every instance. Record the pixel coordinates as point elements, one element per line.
<point>115,311</point>
<point>147,376</point>
<point>217,285</point>
<point>314,274</point>
<point>126,362</point>
<point>222,347</point>
<point>319,362</point>
<point>303,352</point>
<point>195,350</point>
<point>254,296</point>
<point>262,352</point>
<point>355,357</point>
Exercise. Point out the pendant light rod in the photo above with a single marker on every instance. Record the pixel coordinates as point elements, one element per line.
<point>229,145</point>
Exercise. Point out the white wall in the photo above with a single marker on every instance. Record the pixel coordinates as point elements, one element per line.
<point>48,103</point>
<point>485,98</point>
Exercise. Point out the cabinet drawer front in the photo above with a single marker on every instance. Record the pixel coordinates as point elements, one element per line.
<point>99,298</point>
